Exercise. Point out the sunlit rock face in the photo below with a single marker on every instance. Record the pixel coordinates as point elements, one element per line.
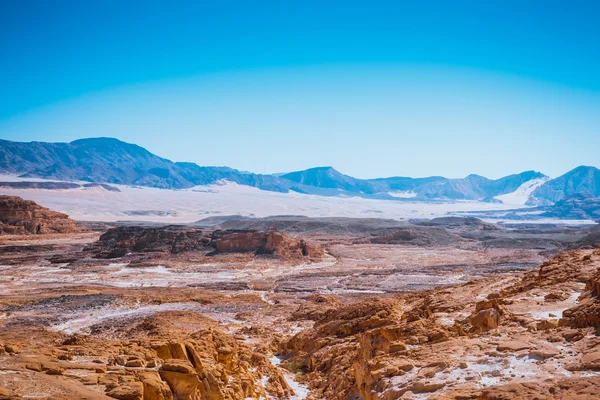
<point>263,242</point>
<point>19,216</point>
<point>120,241</point>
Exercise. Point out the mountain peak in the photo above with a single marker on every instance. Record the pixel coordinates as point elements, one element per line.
<point>582,179</point>
<point>322,169</point>
<point>98,140</point>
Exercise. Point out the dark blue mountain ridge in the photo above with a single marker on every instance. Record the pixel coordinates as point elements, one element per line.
<point>109,160</point>
<point>581,180</point>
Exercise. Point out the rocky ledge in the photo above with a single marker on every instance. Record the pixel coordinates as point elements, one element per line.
<point>263,242</point>
<point>118,242</point>
<point>21,217</point>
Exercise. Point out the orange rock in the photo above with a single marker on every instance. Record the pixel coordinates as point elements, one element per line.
<point>18,216</point>
<point>264,242</point>
<point>132,391</point>
<point>485,320</point>
<point>514,345</point>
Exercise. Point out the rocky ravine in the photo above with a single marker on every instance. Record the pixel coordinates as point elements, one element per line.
<point>528,337</point>
<point>162,360</point>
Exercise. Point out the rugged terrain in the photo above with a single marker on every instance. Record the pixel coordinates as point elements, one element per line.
<point>293,307</point>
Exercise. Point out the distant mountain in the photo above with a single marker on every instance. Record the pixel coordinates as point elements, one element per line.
<point>584,180</point>
<point>108,160</point>
<point>577,206</point>
<point>329,178</point>
<point>473,187</point>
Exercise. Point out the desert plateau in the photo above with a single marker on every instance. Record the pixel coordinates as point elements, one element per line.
<point>296,308</point>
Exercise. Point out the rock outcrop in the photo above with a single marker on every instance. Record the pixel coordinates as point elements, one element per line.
<point>263,242</point>
<point>207,364</point>
<point>117,242</point>
<point>212,365</point>
<point>19,216</point>
<point>354,350</point>
<point>120,241</point>
<point>443,343</point>
<point>587,312</point>
<point>568,266</point>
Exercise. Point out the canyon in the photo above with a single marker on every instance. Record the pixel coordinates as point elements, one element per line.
<point>291,307</point>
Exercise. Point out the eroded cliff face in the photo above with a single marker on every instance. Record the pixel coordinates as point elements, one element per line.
<point>18,216</point>
<point>587,313</point>
<point>120,241</point>
<point>117,242</point>
<point>264,242</point>
<point>488,339</point>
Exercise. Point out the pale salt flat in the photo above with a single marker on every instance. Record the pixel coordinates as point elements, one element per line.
<point>82,321</point>
<point>19,278</point>
<point>226,198</point>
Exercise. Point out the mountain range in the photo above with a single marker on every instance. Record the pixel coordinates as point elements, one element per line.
<point>109,160</point>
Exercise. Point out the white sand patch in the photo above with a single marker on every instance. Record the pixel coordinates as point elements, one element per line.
<point>94,317</point>
<point>520,196</point>
<point>350,291</point>
<point>299,389</point>
<point>189,205</point>
<point>403,194</point>
<point>556,310</point>
<point>18,278</point>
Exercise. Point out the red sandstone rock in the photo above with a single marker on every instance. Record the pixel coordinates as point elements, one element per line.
<point>18,216</point>
<point>263,242</point>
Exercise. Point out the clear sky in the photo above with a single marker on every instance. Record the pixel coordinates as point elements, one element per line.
<point>373,88</point>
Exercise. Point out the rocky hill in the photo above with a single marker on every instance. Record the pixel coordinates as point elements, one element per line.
<point>473,187</point>
<point>18,216</point>
<point>581,180</point>
<point>110,160</point>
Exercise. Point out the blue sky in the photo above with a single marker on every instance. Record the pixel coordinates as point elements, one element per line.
<point>374,88</point>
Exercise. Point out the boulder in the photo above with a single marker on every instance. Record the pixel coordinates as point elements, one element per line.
<point>591,361</point>
<point>485,320</point>
<point>131,391</point>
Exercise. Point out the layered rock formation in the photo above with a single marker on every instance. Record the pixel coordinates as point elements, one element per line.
<point>263,242</point>
<point>18,216</point>
<point>120,241</point>
<point>212,365</point>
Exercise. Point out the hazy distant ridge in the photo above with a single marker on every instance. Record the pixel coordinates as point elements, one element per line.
<point>108,160</point>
